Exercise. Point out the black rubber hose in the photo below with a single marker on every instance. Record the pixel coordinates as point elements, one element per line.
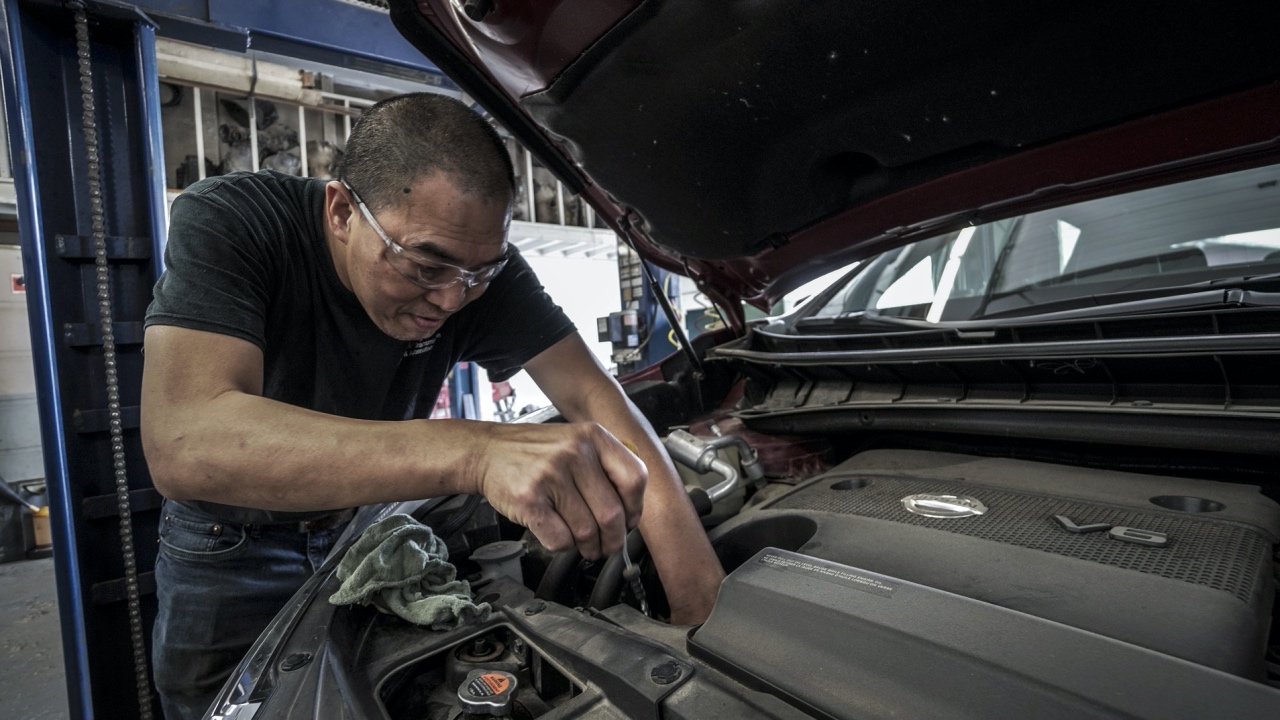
<point>459,517</point>
<point>559,574</point>
<point>430,505</point>
<point>7,493</point>
<point>609,584</point>
<point>605,592</point>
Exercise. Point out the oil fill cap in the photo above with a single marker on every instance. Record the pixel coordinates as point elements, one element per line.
<point>487,692</point>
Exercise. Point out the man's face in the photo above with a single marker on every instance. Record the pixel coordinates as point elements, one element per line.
<point>435,223</point>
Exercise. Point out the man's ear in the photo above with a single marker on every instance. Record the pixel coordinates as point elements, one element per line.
<point>339,213</point>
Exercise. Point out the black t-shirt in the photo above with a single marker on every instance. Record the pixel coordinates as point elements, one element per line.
<point>247,257</point>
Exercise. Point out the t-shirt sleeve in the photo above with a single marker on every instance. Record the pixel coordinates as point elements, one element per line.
<point>220,269</point>
<point>514,321</point>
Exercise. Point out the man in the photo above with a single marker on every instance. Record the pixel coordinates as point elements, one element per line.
<point>301,330</point>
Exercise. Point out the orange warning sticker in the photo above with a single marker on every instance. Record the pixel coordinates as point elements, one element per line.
<point>497,683</point>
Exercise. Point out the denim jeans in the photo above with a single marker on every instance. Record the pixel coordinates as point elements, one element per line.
<point>218,585</point>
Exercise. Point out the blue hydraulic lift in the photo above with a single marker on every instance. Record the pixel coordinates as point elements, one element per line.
<point>93,485</point>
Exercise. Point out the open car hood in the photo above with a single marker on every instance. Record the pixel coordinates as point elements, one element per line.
<point>756,145</point>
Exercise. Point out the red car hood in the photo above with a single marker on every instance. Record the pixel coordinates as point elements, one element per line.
<point>755,145</point>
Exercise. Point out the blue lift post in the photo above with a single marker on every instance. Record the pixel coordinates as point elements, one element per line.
<point>41,84</point>
<point>464,391</point>
<point>43,102</point>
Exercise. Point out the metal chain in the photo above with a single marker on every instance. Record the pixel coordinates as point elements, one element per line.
<point>103,278</point>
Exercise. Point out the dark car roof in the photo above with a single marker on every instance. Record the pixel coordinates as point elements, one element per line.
<point>747,141</point>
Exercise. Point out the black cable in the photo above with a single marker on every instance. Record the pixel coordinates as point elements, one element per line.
<point>459,517</point>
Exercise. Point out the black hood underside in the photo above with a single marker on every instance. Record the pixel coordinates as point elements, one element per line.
<point>727,126</point>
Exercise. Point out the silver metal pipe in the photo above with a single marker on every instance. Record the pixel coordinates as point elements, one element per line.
<point>700,454</point>
<point>302,140</point>
<point>725,470</point>
<point>529,187</point>
<point>199,110</point>
<point>746,454</point>
<point>253,132</point>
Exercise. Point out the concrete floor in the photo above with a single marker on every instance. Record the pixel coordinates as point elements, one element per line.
<point>32,684</point>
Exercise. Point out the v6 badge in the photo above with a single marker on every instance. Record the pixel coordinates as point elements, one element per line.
<point>1137,536</point>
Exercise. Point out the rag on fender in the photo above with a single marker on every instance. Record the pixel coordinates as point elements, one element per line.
<point>400,567</point>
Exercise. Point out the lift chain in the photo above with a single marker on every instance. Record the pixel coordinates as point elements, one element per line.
<point>103,278</point>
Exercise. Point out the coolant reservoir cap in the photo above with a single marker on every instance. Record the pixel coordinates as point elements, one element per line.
<point>487,692</point>
<point>499,551</point>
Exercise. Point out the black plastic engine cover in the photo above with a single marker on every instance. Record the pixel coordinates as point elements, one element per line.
<point>1205,597</point>
<point>841,642</point>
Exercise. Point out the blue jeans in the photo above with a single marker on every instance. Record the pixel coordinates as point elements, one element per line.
<point>218,585</point>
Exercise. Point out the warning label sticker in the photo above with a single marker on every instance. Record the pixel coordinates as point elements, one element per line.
<point>489,684</point>
<point>496,683</point>
<point>840,576</point>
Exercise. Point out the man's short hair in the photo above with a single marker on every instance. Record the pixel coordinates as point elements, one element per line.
<point>407,137</point>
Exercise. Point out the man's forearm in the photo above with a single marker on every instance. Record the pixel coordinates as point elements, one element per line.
<point>572,485</point>
<point>690,572</point>
<point>209,435</point>
<point>241,449</point>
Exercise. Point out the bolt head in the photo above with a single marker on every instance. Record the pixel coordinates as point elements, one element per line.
<point>666,673</point>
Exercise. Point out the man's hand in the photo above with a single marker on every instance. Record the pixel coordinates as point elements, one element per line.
<point>576,383</point>
<point>571,485</point>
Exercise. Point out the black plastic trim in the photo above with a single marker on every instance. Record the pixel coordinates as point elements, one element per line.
<point>1196,345</point>
<point>1192,431</point>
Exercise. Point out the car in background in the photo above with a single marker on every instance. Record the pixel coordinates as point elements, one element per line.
<point>1019,461</point>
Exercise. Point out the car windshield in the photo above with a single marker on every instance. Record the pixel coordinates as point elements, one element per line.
<point>1184,234</point>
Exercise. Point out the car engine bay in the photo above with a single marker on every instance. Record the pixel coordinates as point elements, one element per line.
<point>912,579</point>
<point>879,565</point>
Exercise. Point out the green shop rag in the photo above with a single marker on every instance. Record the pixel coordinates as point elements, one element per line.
<point>400,567</point>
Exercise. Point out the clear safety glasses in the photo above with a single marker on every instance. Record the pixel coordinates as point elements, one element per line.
<point>424,271</point>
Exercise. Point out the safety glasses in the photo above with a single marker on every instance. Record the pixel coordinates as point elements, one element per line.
<point>424,271</point>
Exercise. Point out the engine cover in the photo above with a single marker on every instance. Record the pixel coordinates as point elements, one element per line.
<point>1183,567</point>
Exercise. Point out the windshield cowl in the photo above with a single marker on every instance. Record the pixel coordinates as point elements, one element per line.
<point>1141,247</point>
<point>1173,300</point>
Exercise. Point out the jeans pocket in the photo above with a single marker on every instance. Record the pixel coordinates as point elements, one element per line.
<point>194,538</point>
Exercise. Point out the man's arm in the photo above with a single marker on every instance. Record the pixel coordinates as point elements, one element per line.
<point>208,434</point>
<point>583,391</point>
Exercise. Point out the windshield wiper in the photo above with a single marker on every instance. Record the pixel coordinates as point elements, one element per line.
<point>859,317</point>
<point>997,270</point>
<point>1099,306</point>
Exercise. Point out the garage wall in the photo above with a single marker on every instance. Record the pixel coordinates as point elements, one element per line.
<point>20,457</point>
<point>586,288</point>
